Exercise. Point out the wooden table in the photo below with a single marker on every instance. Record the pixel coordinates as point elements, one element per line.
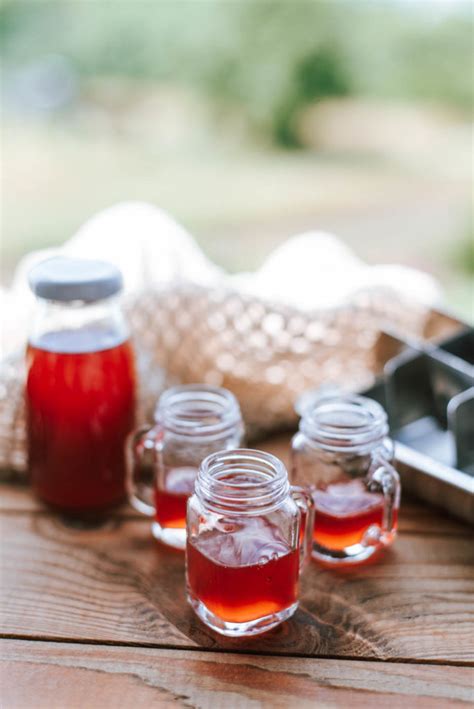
<point>98,618</point>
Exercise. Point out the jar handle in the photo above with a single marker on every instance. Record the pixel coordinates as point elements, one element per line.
<point>305,504</point>
<point>383,478</point>
<point>141,456</point>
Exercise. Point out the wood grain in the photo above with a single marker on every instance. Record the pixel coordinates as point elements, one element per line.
<point>66,675</point>
<point>18,498</point>
<point>415,517</point>
<point>99,583</point>
<point>115,584</point>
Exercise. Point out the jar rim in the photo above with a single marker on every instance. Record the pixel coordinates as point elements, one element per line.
<point>198,410</point>
<point>345,422</point>
<point>242,480</point>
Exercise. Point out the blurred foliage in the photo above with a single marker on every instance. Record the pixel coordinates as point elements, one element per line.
<point>319,75</point>
<point>269,57</point>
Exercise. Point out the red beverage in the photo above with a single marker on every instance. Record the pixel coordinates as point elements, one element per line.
<point>237,592</point>
<point>171,500</point>
<point>80,395</point>
<point>344,512</point>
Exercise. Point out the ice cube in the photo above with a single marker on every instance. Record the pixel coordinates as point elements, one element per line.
<point>346,499</point>
<point>248,541</point>
<point>180,481</point>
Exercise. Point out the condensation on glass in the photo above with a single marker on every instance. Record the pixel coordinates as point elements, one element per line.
<point>191,422</point>
<point>343,456</point>
<point>247,539</point>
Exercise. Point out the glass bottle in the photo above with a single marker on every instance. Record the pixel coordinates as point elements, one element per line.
<point>342,455</point>
<point>191,421</point>
<point>246,527</point>
<point>80,386</point>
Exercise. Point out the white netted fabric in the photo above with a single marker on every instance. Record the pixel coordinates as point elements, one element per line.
<point>310,316</point>
<point>266,354</point>
<point>12,416</point>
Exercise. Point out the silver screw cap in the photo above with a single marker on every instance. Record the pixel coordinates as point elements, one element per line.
<point>66,279</point>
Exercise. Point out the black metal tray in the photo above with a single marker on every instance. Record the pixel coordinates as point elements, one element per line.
<point>428,392</point>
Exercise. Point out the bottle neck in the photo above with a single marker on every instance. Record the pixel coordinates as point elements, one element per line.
<point>78,326</point>
<point>199,411</point>
<point>242,481</point>
<point>345,424</point>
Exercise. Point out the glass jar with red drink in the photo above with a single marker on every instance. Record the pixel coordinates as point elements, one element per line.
<point>247,539</point>
<point>80,386</point>
<point>342,455</point>
<point>191,421</point>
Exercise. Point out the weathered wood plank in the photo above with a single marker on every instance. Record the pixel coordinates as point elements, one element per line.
<point>98,583</point>
<point>66,675</point>
<point>415,518</point>
<point>18,498</point>
<point>115,584</point>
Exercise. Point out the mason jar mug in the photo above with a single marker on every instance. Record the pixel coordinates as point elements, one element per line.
<point>191,421</point>
<point>342,455</point>
<point>248,536</point>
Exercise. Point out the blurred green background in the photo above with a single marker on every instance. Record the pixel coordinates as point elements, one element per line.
<point>249,121</point>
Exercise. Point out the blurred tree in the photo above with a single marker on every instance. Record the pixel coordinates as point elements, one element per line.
<point>319,75</point>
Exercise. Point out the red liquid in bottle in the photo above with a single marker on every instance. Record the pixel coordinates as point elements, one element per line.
<point>171,500</point>
<point>238,592</point>
<point>344,512</point>
<point>80,407</point>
